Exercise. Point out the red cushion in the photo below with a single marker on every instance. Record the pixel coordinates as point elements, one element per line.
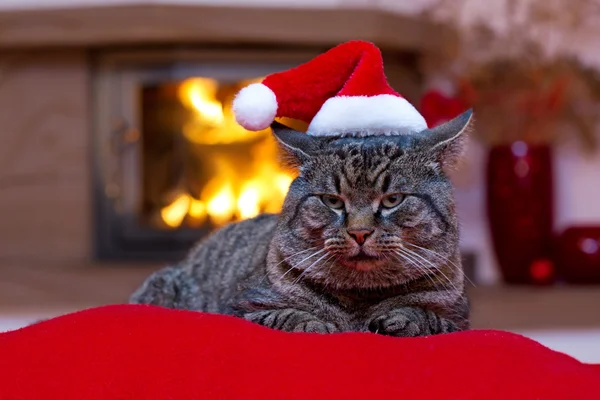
<point>143,352</point>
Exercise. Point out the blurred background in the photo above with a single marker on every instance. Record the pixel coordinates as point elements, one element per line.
<point>118,148</point>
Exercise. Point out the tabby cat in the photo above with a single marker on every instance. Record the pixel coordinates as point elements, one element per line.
<point>367,241</point>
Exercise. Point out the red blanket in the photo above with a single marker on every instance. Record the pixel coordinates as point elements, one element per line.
<point>142,352</point>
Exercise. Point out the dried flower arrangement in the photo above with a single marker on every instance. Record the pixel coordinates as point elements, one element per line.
<point>516,71</point>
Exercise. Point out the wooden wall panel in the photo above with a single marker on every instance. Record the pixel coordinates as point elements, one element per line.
<point>44,164</point>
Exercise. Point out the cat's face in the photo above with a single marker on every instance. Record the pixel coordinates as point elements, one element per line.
<point>370,212</point>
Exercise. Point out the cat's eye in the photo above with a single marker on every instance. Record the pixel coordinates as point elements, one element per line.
<point>332,202</point>
<point>392,200</point>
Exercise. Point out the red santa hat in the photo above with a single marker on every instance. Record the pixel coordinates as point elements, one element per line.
<point>343,91</point>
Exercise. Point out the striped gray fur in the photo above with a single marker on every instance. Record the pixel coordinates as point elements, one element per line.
<point>302,270</point>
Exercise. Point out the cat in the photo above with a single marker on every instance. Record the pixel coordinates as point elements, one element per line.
<point>367,241</point>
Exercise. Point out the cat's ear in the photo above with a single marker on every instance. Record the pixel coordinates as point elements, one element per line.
<point>300,146</point>
<point>446,143</point>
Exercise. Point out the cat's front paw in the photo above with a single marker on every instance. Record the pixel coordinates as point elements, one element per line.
<point>315,326</point>
<point>291,320</point>
<point>411,322</point>
<point>395,323</point>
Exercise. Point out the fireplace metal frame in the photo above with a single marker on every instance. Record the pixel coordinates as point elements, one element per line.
<point>116,76</point>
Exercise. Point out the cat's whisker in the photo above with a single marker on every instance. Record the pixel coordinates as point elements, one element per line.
<point>433,253</point>
<point>296,265</point>
<point>442,259</point>
<point>289,257</point>
<point>336,259</point>
<point>336,249</point>
<point>415,263</point>
<point>331,262</point>
<point>404,258</point>
<point>422,269</point>
<point>385,256</point>
<point>446,280</point>
<point>429,265</point>
<point>445,259</point>
<point>433,266</point>
<point>295,254</point>
<point>307,268</point>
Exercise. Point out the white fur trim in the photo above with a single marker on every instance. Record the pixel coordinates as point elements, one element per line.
<point>366,116</point>
<point>255,107</point>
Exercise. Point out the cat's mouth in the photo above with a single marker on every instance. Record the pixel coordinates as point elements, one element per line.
<point>362,261</point>
<point>362,256</point>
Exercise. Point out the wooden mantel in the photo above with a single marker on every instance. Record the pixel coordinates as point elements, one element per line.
<point>208,24</point>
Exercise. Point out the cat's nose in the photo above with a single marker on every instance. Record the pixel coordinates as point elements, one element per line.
<point>360,235</point>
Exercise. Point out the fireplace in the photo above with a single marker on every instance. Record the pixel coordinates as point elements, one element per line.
<point>171,164</point>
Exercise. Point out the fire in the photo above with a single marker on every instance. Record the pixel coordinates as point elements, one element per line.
<point>174,213</point>
<point>220,204</point>
<point>213,121</point>
<point>245,177</point>
<point>197,209</point>
<point>199,94</point>
<point>248,203</point>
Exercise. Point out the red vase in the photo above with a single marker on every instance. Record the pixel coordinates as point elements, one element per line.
<point>520,211</point>
<point>578,255</point>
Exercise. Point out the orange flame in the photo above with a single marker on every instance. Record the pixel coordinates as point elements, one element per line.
<point>238,189</point>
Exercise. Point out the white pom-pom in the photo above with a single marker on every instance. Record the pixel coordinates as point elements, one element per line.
<point>255,107</point>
